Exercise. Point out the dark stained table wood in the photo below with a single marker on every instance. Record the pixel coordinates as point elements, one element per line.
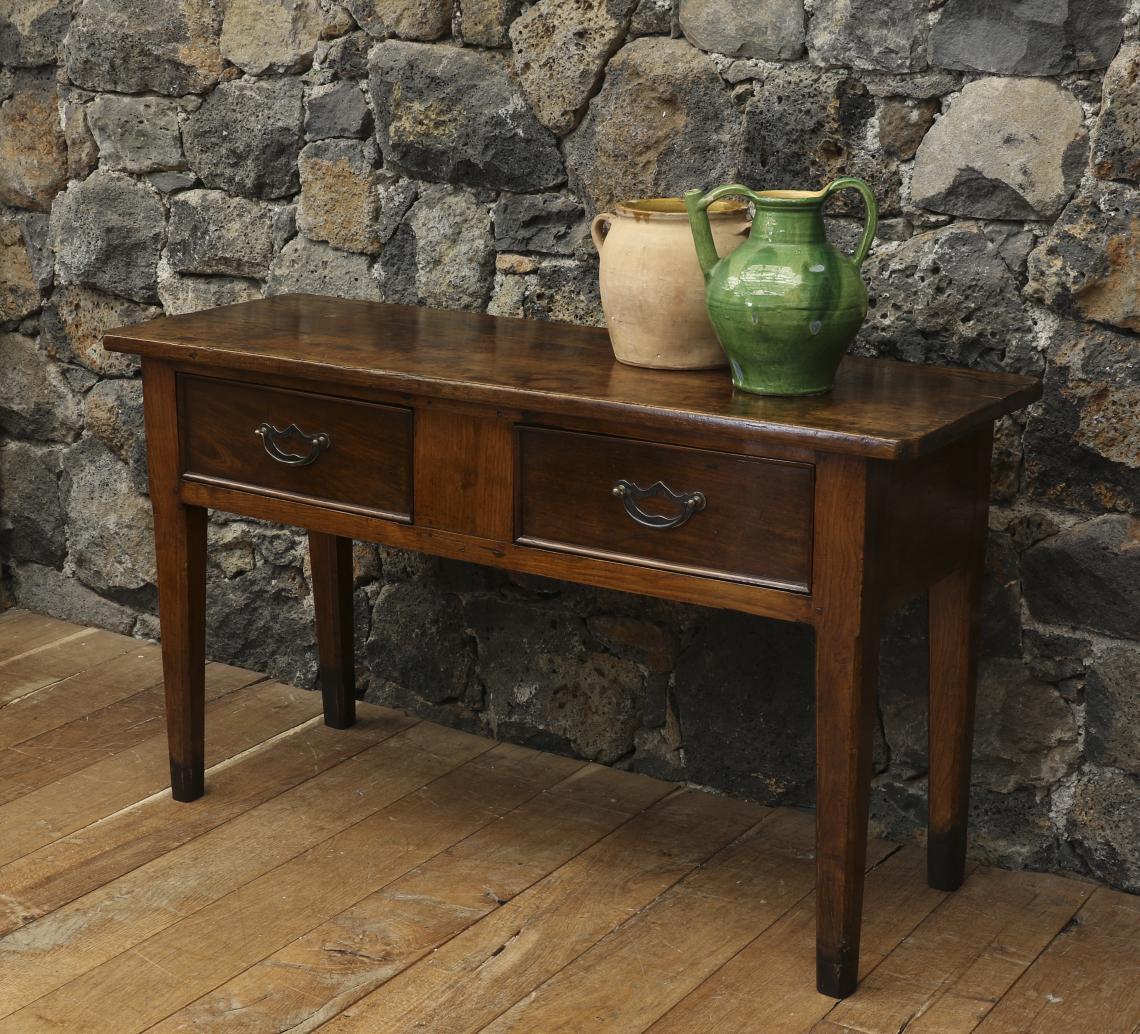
<point>524,445</point>
<point>878,408</point>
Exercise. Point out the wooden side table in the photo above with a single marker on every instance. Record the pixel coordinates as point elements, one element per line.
<point>522,444</point>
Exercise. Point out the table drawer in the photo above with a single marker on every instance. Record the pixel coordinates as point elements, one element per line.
<point>354,454</point>
<point>738,517</point>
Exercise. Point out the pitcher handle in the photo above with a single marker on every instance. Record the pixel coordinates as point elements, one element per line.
<point>600,228</point>
<point>697,205</point>
<point>872,220</point>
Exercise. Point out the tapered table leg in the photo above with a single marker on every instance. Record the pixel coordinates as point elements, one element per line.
<point>180,556</point>
<point>955,622</point>
<point>846,672</point>
<point>331,560</point>
<point>848,605</point>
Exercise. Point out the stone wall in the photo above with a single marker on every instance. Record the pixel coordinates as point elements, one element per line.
<point>166,155</point>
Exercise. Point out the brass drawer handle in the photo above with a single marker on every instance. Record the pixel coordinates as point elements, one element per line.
<point>629,494</point>
<point>271,435</point>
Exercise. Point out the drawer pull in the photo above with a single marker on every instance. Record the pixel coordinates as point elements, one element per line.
<point>270,436</point>
<point>629,494</point>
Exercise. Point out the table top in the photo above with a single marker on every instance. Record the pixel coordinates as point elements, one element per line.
<point>878,408</point>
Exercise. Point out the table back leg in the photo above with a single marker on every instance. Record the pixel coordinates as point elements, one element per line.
<point>331,559</point>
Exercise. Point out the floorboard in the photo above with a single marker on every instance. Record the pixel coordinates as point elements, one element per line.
<point>402,877</point>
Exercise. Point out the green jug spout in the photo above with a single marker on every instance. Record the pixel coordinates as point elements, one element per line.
<point>697,203</point>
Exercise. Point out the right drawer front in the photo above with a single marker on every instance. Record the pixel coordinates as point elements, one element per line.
<point>755,526</point>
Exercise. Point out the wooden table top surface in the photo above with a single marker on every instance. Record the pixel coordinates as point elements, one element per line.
<point>878,408</point>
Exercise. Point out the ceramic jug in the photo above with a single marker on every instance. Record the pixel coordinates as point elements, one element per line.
<point>786,303</point>
<point>653,294</point>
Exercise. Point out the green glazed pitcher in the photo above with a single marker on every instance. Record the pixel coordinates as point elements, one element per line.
<point>786,303</point>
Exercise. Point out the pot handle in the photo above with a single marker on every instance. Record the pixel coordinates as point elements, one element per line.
<point>602,219</point>
<point>872,218</point>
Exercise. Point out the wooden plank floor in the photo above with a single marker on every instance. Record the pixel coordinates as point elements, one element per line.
<point>402,877</point>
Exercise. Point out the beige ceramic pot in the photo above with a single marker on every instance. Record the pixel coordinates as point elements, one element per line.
<point>653,290</point>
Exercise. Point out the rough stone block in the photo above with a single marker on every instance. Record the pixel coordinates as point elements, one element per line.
<point>456,115</point>
<point>1087,265</point>
<point>442,255</point>
<point>947,296</point>
<point>245,138</point>
<point>550,223</point>
<point>662,123</point>
<point>1006,149</point>
<point>1026,733</point>
<point>31,31</point>
<point>211,232</point>
<point>135,46</point>
<point>886,35</point>
<point>1023,37</point>
<point>1102,826</point>
<point>773,30</point>
<point>261,36</point>
<point>486,22</point>
<point>35,399</point>
<point>75,320</point>
<point>180,294</point>
<point>107,234</point>
<point>1116,137</point>
<point>33,151</point>
<point>1082,440</point>
<point>1112,708</point>
<point>305,265</point>
<point>1088,576</point>
<point>19,292</point>
<point>32,526</point>
<point>48,591</point>
<point>136,134</point>
<point>113,413</point>
<point>561,48</point>
<point>340,202</point>
<point>403,19</point>
<point>337,109</point>
<point>110,529</point>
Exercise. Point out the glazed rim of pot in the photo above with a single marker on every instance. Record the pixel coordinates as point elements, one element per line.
<point>674,207</point>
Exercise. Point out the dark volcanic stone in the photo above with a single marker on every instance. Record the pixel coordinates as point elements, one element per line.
<point>542,222</point>
<point>31,31</point>
<point>211,232</point>
<point>743,692</point>
<point>1088,576</point>
<point>773,30</point>
<point>889,35</point>
<point>32,525</point>
<point>246,136</point>
<point>1102,829</point>
<point>1116,138</point>
<point>107,234</point>
<point>338,109</point>
<point>1112,710</point>
<point>662,123</point>
<point>1026,37</point>
<point>456,115</point>
<point>132,46</point>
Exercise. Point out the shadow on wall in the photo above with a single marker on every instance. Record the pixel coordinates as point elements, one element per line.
<point>159,157</point>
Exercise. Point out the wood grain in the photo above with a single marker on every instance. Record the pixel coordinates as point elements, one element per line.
<point>464,471</point>
<point>945,976</point>
<point>878,408</point>
<point>119,996</point>
<point>482,972</point>
<point>756,525</point>
<point>330,558</point>
<point>367,465</point>
<point>1088,979</point>
<point>769,983</point>
<point>74,865</point>
<point>65,944</point>
<point>74,653</point>
<point>104,787</point>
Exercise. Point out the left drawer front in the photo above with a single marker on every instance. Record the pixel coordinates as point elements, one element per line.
<point>353,454</point>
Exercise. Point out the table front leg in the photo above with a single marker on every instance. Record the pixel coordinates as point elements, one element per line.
<point>330,557</point>
<point>846,670</point>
